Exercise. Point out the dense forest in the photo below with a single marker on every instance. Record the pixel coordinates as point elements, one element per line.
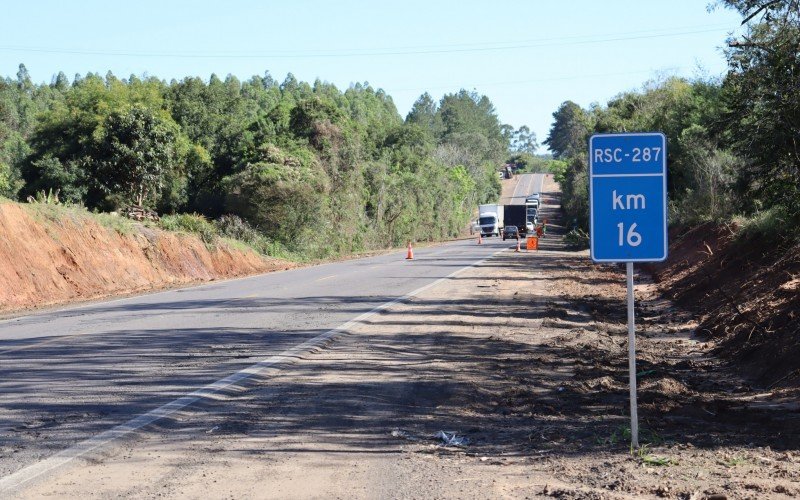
<point>733,142</point>
<point>289,167</point>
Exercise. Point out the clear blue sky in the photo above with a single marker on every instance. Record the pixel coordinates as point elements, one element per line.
<point>527,56</point>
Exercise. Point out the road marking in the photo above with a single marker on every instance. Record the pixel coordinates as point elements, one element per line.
<point>64,457</point>
<point>38,344</point>
<point>527,177</point>
<point>328,277</point>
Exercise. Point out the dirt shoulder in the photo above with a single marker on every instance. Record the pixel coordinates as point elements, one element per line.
<point>525,358</point>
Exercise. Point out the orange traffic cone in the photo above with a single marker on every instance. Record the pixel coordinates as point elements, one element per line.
<point>480,239</point>
<point>410,254</point>
<point>517,250</point>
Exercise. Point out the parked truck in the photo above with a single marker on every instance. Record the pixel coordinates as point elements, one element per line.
<point>516,215</point>
<point>490,219</point>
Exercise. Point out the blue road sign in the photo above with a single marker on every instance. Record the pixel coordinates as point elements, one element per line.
<point>628,197</point>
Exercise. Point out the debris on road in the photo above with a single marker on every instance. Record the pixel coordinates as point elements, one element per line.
<point>451,439</point>
<point>400,433</point>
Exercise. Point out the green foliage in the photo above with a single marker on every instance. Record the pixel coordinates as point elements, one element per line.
<point>647,458</point>
<point>577,239</point>
<point>291,169</point>
<point>776,224</point>
<point>570,131</point>
<point>558,168</point>
<point>575,193</point>
<point>190,223</point>
<point>701,170</point>
<point>708,174</point>
<point>526,163</point>
<point>762,105</point>
<point>136,151</point>
<point>281,194</point>
<point>734,461</point>
<point>425,113</point>
<point>732,144</point>
<point>523,140</point>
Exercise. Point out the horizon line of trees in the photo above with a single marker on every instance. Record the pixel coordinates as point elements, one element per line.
<point>313,168</point>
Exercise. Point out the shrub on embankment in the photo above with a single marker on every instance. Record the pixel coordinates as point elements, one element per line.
<point>53,254</point>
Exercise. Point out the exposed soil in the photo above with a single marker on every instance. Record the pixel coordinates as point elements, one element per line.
<point>746,293</point>
<point>51,255</point>
<point>524,356</point>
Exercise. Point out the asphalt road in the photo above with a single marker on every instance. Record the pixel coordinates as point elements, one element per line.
<point>527,184</point>
<point>72,374</point>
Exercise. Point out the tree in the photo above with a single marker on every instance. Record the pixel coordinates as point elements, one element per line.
<point>135,153</point>
<point>569,132</point>
<point>524,141</point>
<point>315,169</point>
<point>763,103</point>
<point>282,194</point>
<point>60,81</point>
<point>424,112</point>
<point>24,82</point>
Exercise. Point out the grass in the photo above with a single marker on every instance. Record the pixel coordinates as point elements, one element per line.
<point>121,225</point>
<point>230,229</point>
<point>190,223</point>
<point>57,213</point>
<point>771,224</point>
<point>647,458</point>
<point>648,438</point>
<point>622,434</point>
<point>734,461</point>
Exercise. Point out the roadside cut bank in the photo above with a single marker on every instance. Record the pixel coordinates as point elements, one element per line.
<point>55,254</point>
<point>746,294</point>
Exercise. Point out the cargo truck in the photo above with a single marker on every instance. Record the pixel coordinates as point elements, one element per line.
<point>516,215</point>
<point>490,219</point>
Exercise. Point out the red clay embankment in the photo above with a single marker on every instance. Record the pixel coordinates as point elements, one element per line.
<point>747,294</point>
<point>52,255</point>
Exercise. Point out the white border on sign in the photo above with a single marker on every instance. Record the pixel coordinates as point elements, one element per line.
<point>591,193</point>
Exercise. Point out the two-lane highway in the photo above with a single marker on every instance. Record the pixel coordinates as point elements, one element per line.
<point>73,374</point>
<point>527,184</point>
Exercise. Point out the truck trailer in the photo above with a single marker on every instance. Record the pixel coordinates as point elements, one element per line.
<point>490,219</point>
<point>516,215</point>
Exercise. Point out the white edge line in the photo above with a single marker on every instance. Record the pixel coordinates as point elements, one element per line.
<point>62,458</point>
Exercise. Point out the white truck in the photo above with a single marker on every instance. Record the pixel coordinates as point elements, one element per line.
<point>490,219</point>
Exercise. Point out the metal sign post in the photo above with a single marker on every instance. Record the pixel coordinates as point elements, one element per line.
<point>632,359</point>
<point>628,215</point>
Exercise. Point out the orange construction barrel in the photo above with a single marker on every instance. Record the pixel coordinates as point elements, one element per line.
<point>532,243</point>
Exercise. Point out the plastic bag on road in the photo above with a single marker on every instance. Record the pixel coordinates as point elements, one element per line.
<point>451,439</point>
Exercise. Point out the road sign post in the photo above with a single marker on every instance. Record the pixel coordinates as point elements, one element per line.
<point>628,215</point>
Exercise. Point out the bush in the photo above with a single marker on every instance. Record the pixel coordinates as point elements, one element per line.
<point>577,239</point>
<point>190,223</point>
<point>234,227</point>
<point>774,224</point>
